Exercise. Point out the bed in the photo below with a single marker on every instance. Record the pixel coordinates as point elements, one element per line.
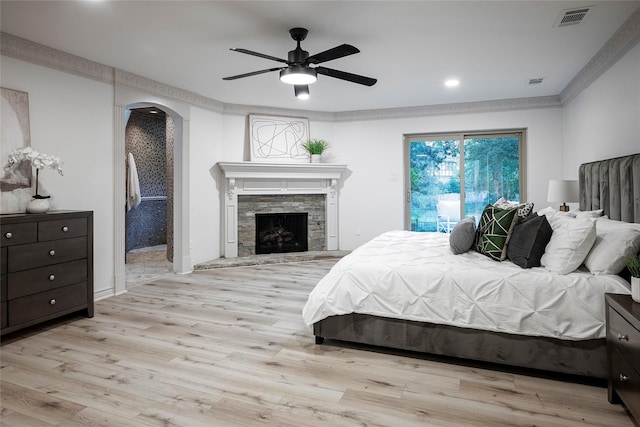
<point>472,307</point>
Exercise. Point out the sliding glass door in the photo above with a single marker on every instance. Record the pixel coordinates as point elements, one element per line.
<point>434,176</point>
<point>453,176</point>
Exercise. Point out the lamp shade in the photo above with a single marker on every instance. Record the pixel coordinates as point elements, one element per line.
<point>565,191</point>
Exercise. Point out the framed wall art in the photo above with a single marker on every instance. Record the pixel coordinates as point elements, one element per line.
<point>15,183</point>
<point>278,139</point>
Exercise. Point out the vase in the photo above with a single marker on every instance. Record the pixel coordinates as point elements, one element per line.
<point>316,158</point>
<point>37,205</point>
<point>635,288</point>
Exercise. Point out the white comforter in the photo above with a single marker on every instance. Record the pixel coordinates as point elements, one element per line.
<point>414,276</point>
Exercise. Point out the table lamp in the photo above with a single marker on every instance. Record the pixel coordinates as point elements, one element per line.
<point>565,191</point>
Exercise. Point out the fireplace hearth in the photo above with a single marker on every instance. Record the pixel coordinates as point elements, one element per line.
<point>281,232</point>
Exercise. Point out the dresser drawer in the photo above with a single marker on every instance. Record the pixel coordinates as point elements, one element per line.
<point>626,382</point>
<point>19,234</point>
<point>46,253</point>
<point>29,282</point>
<point>623,336</point>
<point>46,303</point>
<point>62,229</point>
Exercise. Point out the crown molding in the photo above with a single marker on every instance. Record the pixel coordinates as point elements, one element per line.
<point>627,36</point>
<point>148,85</point>
<point>457,108</point>
<point>25,50</point>
<point>35,53</point>
<point>244,110</point>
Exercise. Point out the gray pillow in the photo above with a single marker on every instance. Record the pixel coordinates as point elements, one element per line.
<point>463,235</point>
<point>528,241</point>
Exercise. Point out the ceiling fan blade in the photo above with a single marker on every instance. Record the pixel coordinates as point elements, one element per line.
<point>253,73</point>
<point>354,78</point>
<point>331,54</point>
<point>261,55</point>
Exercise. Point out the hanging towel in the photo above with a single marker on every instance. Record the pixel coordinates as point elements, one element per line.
<point>133,184</point>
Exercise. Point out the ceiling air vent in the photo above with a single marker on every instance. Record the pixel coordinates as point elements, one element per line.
<point>536,81</point>
<point>573,16</point>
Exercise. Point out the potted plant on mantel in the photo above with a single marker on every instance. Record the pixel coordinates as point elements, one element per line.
<point>633,264</point>
<point>315,147</point>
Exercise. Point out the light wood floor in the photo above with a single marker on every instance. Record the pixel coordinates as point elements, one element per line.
<point>227,347</point>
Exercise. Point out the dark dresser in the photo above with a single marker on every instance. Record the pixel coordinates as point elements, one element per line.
<point>623,351</point>
<point>47,267</point>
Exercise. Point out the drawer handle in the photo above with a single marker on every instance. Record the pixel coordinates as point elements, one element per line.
<point>623,337</point>
<point>65,229</point>
<point>52,252</point>
<point>52,277</point>
<point>623,377</point>
<point>8,235</point>
<point>53,302</point>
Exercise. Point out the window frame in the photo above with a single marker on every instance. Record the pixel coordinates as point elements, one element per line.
<point>460,136</point>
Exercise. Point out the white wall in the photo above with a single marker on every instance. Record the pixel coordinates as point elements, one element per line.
<point>372,198</point>
<point>603,121</point>
<point>234,144</point>
<point>72,117</point>
<point>205,150</point>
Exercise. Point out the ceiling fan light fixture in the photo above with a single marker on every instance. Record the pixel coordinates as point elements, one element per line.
<point>301,69</point>
<point>301,91</point>
<point>298,75</point>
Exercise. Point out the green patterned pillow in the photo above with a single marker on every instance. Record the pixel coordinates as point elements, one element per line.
<point>494,231</point>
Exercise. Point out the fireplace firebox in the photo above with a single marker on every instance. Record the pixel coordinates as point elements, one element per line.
<point>281,232</point>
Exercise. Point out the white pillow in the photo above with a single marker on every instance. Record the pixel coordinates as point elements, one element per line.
<point>615,242</point>
<point>570,243</point>
<point>550,211</point>
<point>586,214</point>
<point>546,211</point>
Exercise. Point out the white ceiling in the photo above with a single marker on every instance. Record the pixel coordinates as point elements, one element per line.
<point>411,47</point>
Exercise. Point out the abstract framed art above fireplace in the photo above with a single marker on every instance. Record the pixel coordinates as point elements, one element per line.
<point>292,180</point>
<point>276,139</point>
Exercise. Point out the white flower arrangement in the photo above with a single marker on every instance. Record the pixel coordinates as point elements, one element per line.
<point>38,160</point>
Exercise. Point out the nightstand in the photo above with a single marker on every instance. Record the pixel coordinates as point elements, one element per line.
<point>623,351</point>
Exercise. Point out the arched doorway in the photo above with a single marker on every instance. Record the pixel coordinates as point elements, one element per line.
<point>126,100</point>
<point>149,144</point>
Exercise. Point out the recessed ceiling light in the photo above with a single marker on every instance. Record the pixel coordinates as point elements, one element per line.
<point>452,83</point>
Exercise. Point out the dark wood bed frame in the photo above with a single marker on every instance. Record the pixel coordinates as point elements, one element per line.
<point>612,185</point>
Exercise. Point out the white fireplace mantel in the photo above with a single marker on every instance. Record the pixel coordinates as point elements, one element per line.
<point>254,178</point>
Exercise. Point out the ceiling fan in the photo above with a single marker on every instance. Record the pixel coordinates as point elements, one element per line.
<point>299,72</point>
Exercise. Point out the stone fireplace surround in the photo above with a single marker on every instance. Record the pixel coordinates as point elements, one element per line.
<point>250,205</point>
<point>255,178</point>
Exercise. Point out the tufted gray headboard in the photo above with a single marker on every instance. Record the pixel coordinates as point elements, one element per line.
<point>612,185</point>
